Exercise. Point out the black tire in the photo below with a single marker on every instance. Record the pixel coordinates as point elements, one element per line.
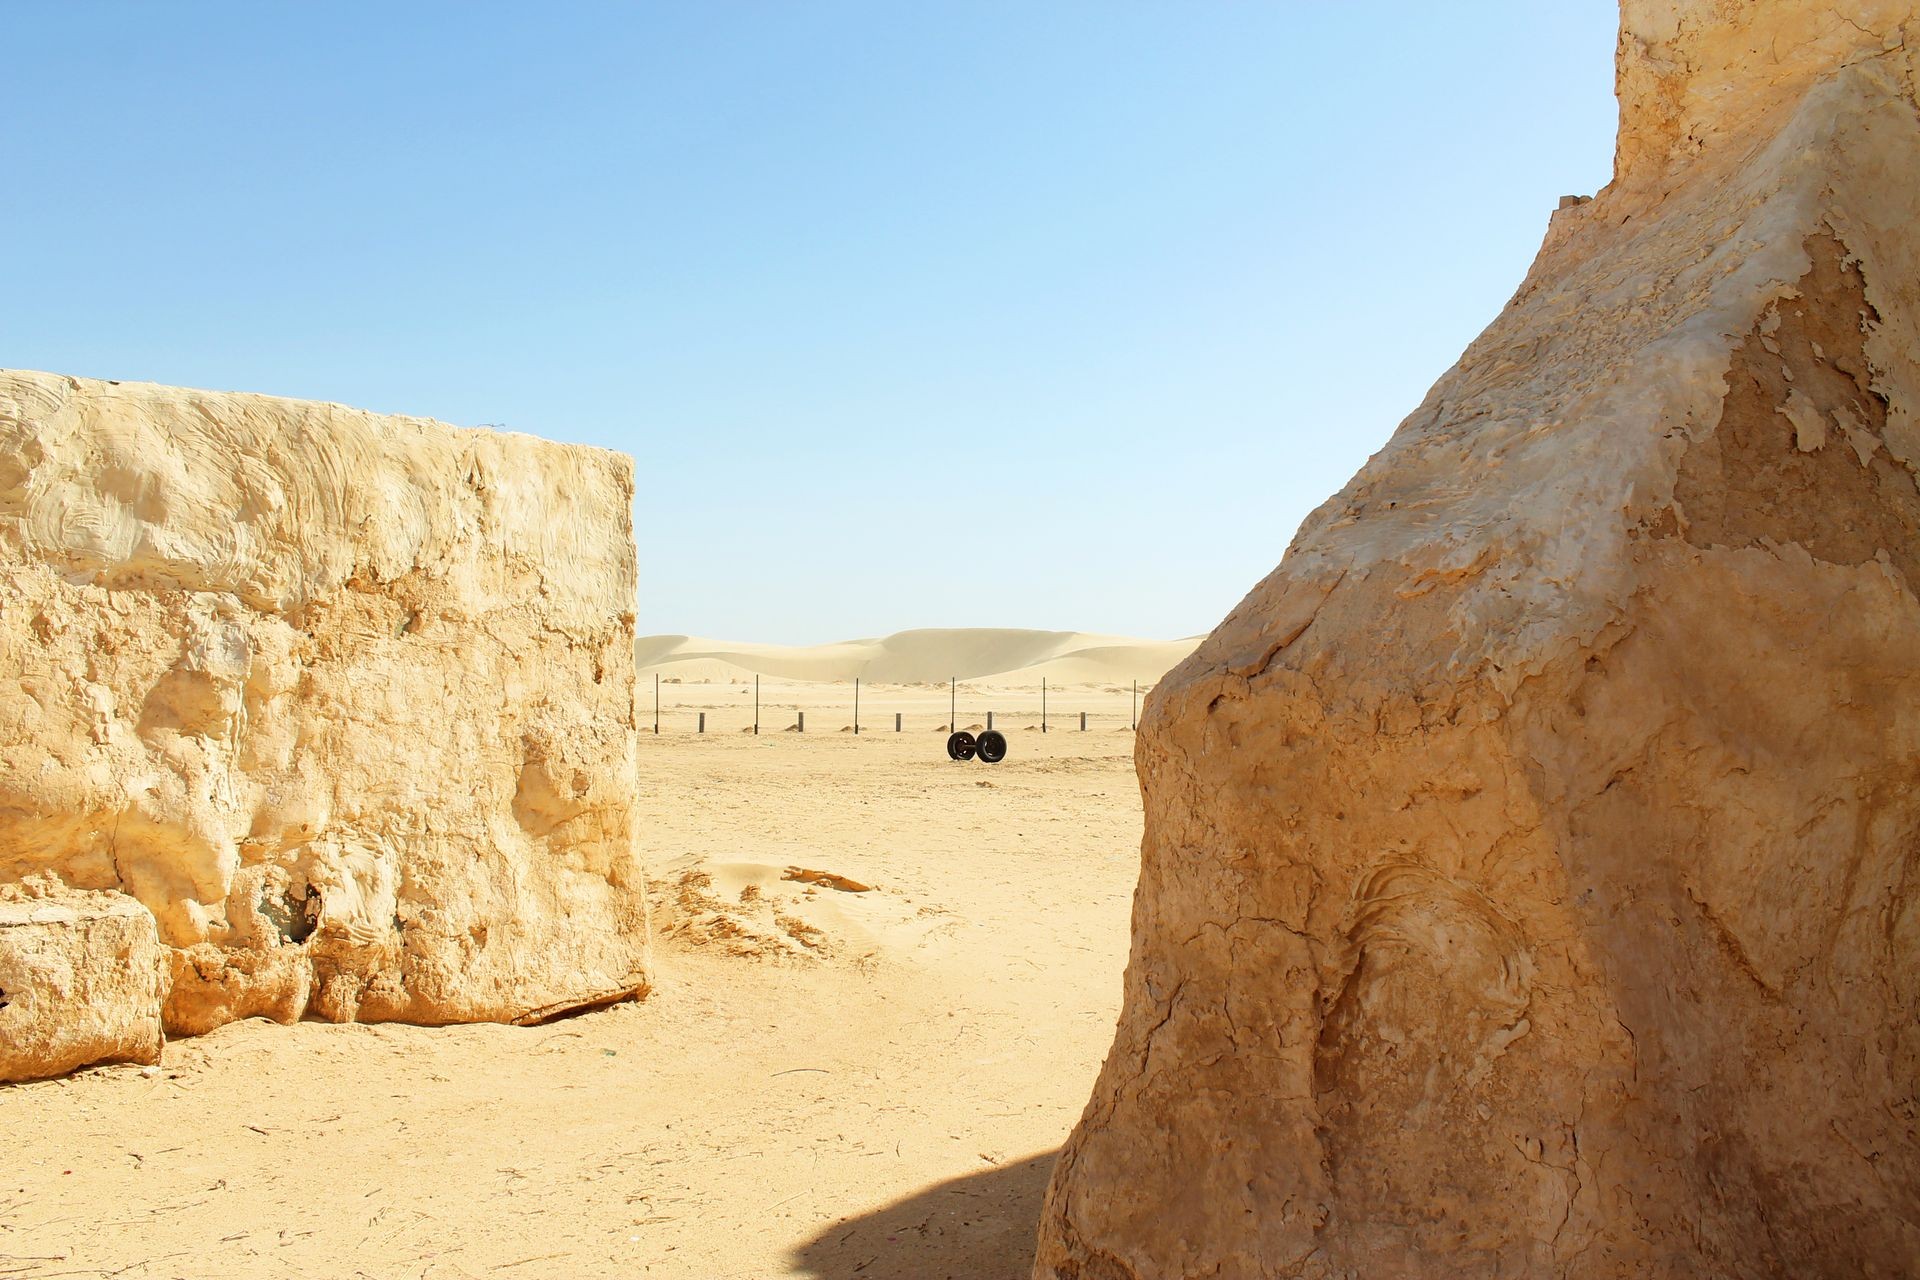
<point>961,745</point>
<point>992,746</point>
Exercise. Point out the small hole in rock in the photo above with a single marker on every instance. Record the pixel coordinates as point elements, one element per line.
<point>293,920</point>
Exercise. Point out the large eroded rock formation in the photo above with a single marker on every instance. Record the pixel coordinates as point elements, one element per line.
<point>345,701</point>
<point>1531,883</point>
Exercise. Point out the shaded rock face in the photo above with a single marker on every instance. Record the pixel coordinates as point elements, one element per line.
<point>1531,882</point>
<point>81,980</point>
<point>344,701</point>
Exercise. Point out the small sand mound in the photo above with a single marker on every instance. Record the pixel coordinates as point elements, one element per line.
<point>693,912</point>
<point>791,914</point>
<point>829,879</point>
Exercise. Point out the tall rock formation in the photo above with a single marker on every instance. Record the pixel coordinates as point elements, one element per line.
<point>1531,882</point>
<point>346,702</point>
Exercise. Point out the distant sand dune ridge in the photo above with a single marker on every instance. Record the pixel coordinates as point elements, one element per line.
<point>925,656</point>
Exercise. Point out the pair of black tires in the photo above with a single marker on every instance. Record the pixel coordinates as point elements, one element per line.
<point>990,746</point>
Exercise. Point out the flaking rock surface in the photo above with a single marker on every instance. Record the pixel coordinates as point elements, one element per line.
<point>345,701</point>
<point>1531,881</point>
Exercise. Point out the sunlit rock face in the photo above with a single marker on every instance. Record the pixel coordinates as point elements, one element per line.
<point>344,701</point>
<point>1531,882</point>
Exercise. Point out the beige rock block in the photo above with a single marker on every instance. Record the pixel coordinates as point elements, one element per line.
<point>345,700</point>
<point>82,977</point>
<point>1529,886</point>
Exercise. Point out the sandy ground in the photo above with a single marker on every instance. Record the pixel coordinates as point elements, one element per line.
<point>857,1074</point>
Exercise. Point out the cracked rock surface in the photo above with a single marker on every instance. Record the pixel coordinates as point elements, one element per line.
<point>1531,880</point>
<point>343,701</point>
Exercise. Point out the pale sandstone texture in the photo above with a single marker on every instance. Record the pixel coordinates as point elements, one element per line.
<point>344,701</point>
<point>1531,881</point>
<point>82,975</point>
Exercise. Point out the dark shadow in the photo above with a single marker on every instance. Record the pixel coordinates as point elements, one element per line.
<point>980,1227</point>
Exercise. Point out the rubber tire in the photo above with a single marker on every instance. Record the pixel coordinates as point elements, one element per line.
<point>992,747</point>
<point>961,746</point>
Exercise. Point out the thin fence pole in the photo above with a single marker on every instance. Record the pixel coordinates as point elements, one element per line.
<point>953,704</point>
<point>1134,715</point>
<point>896,722</point>
<point>1083,722</point>
<point>989,719</point>
<point>856,706</point>
<point>802,722</point>
<point>703,722</point>
<point>756,706</point>
<point>656,702</point>
<point>1043,704</point>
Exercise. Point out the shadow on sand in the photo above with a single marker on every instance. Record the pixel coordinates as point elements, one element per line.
<point>980,1227</point>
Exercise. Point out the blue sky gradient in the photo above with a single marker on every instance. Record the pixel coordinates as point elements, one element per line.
<point>935,314</point>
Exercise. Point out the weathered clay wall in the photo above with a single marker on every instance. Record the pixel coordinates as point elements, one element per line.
<point>1531,882</point>
<point>346,701</point>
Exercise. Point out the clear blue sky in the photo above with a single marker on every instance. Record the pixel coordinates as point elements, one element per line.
<point>1036,314</point>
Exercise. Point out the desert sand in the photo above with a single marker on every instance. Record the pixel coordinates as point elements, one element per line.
<point>1010,657</point>
<point>823,1082</point>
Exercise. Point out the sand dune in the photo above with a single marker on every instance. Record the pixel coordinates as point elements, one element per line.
<point>925,656</point>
